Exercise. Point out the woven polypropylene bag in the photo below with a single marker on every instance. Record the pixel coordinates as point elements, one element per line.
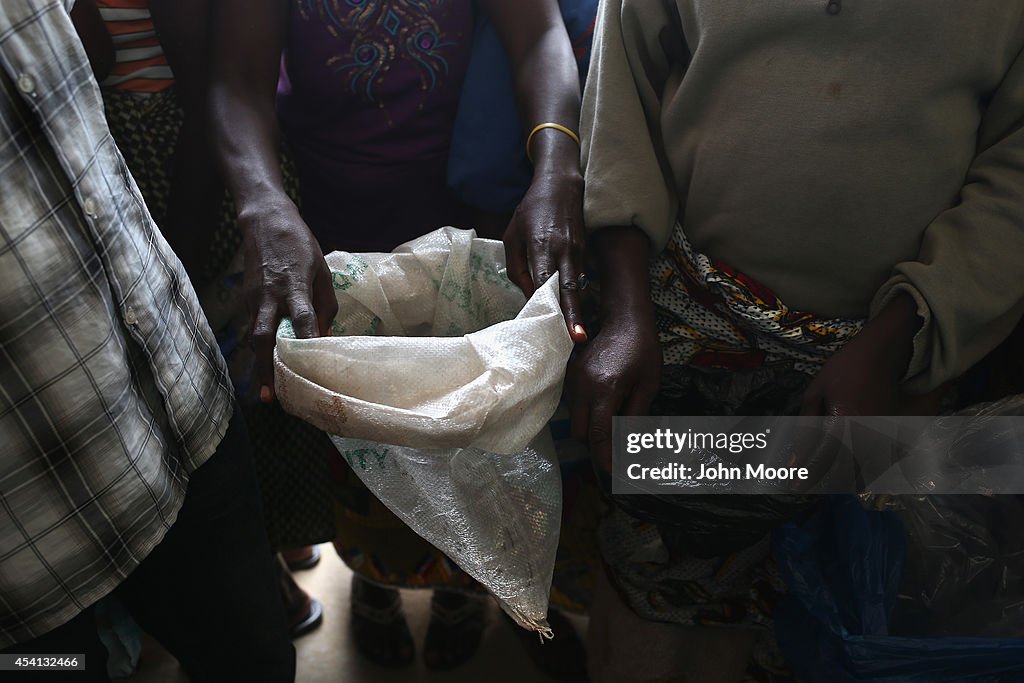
<point>437,385</point>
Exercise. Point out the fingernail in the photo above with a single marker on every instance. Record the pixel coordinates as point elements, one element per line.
<point>580,332</point>
<point>266,395</point>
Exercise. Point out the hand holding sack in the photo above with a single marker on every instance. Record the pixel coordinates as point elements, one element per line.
<point>437,387</point>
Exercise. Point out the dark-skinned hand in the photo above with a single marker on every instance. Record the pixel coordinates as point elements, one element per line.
<point>286,276</point>
<point>545,235</point>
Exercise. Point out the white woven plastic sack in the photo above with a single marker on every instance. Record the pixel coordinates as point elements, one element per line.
<point>438,384</point>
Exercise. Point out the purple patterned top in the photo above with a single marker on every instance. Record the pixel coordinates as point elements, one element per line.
<point>367,101</point>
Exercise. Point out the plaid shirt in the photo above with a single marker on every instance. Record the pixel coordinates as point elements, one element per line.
<point>112,389</point>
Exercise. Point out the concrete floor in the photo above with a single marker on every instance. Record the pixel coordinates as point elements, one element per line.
<point>327,654</point>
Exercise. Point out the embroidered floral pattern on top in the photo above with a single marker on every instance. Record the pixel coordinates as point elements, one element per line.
<point>383,31</point>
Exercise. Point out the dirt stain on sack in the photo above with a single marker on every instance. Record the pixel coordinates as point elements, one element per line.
<point>332,407</point>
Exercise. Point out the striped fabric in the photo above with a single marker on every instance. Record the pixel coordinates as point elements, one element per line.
<point>140,62</point>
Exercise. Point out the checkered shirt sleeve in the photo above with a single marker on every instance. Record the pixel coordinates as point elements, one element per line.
<point>112,388</point>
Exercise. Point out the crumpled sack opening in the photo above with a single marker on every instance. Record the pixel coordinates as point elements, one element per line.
<point>437,386</point>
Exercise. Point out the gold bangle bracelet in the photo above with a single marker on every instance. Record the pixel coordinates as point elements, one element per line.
<point>556,126</point>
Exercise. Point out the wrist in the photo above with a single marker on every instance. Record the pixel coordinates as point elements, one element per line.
<point>621,252</point>
<point>554,152</point>
<point>563,176</point>
<point>563,188</point>
<point>623,255</point>
<point>634,317</point>
<point>252,215</point>
<point>892,332</point>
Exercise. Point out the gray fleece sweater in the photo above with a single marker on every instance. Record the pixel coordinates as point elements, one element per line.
<point>837,151</point>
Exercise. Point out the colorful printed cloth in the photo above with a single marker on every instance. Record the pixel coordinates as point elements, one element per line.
<point>731,347</point>
<point>712,316</point>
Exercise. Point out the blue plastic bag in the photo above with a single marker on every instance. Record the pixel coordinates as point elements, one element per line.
<point>487,165</point>
<point>843,569</point>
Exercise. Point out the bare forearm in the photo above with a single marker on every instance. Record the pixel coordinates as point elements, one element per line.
<point>248,149</point>
<point>246,60</point>
<point>623,258</point>
<point>554,98</point>
<point>894,329</point>
<point>546,80</point>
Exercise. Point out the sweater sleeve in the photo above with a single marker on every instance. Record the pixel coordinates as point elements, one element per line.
<point>628,181</point>
<point>968,278</point>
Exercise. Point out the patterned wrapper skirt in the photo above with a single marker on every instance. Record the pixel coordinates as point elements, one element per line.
<point>731,347</point>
